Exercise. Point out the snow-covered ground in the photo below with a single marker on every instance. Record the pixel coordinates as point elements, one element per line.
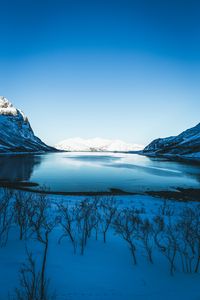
<point>106,270</point>
<point>97,144</point>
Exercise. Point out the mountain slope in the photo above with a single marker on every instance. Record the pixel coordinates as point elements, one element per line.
<point>186,145</point>
<point>16,134</point>
<point>96,145</point>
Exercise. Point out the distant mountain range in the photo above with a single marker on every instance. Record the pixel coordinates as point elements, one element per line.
<point>16,134</point>
<point>97,145</point>
<point>184,146</point>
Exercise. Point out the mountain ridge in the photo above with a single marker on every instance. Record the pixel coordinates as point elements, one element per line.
<point>96,145</point>
<point>186,145</point>
<point>16,134</point>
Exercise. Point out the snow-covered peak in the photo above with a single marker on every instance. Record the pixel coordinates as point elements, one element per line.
<point>7,108</point>
<point>97,145</point>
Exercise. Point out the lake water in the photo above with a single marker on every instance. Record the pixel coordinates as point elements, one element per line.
<point>94,172</point>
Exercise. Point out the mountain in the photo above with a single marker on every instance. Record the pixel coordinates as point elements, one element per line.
<point>16,134</point>
<point>184,146</point>
<point>96,145</point>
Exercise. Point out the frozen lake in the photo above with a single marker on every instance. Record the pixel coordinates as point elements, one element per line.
<point>95,172</point>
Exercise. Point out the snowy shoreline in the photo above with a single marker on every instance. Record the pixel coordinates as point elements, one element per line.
<point>175,194</point>
<point>106,270</point>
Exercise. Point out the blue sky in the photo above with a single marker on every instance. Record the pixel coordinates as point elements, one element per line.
<point>113,69</point>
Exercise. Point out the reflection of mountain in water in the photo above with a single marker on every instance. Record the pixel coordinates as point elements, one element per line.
<point>159,168</point>
<point>18,168</point>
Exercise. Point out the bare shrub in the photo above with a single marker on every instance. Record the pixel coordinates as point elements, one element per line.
<point>67,219</point>
<point>6,215</point>
<point>146,236</point>
<point>107,212</point>
<point>166,239</point>
<point>30,282</point>
<point>86,221</point>
<point>42,224</point>
<point>127,226</point>
<point>197,237</point>
<point>23,212</point>
<point>80,221</point>
<point>189,227</point>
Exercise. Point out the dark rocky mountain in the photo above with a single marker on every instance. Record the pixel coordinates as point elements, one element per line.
<point>184,146</point>
<point>16,134</point>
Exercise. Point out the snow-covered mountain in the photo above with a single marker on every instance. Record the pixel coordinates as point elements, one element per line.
<point>186,145</point>
<point>16,134</point>
<point>96,145</point>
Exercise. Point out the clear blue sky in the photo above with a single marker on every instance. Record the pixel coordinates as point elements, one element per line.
<point>114,69</point>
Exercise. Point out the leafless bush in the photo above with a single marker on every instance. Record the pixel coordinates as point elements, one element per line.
<point>86,217</point>
<point>67,219</point>
<point>30,282</point>
<point>166,238</point>
<point>146,236</point>
<point>168,233</point>
<point>42,224</point>
<point>127,226</point>
<point>86,221</point>
<point>197,237</point>
<point>96,202</point>
<point>107,212</point>
<point>23,212</point>
<point>189,249</point>
<point>6,215</point>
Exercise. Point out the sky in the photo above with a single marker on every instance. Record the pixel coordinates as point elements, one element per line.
<point>117,69</point>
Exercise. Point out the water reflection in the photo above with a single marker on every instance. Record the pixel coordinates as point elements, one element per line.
<point>18,167</point>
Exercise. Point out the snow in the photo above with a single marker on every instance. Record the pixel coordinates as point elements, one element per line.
<point>6,108</point>
<point>105,271</point>
<point>97,144</point>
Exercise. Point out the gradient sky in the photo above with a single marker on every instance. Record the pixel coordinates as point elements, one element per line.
<point>113,69</point>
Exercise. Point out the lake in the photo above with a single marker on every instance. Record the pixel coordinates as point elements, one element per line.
<point>98,172</point>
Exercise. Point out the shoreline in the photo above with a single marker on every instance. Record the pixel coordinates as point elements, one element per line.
<point>178,194</point>
<point>169,157</point>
